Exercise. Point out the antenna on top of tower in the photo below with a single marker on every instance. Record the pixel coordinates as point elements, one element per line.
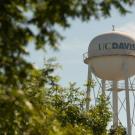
<point>113,27</point>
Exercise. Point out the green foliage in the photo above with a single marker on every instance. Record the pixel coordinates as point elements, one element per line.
<point>46,108</point>
<point>120,130</point>
<point>43,107</point>
<point>99,116</point>
<point>30,112</point>
<point>19,18</point>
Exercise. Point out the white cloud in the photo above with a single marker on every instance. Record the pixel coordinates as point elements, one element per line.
<point>128,28</point>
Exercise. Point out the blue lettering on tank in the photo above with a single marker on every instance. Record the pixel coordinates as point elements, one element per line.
<point>114,45</point>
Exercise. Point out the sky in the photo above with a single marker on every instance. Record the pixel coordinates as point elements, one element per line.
<point>76,42</point>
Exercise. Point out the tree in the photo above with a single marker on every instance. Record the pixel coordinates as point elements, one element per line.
<point>50,109</point>
<point>18,18</point>
<point>119,130</point>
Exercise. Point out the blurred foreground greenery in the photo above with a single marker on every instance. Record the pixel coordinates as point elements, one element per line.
<point>43,107</point>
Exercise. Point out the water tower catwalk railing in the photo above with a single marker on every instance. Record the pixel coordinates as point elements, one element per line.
<point>111,62</point>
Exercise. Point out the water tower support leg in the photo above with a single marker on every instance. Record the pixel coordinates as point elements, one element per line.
<point>103,87</point>
<point>128,107</point>
<point>115,104</point>
<point>88,89</point>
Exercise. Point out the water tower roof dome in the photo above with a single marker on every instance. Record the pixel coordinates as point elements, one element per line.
<point>112,43</point>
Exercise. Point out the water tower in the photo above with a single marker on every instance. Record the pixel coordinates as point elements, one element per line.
<point>111,60</point>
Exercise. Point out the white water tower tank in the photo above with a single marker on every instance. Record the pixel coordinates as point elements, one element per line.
<point>109,53</point>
